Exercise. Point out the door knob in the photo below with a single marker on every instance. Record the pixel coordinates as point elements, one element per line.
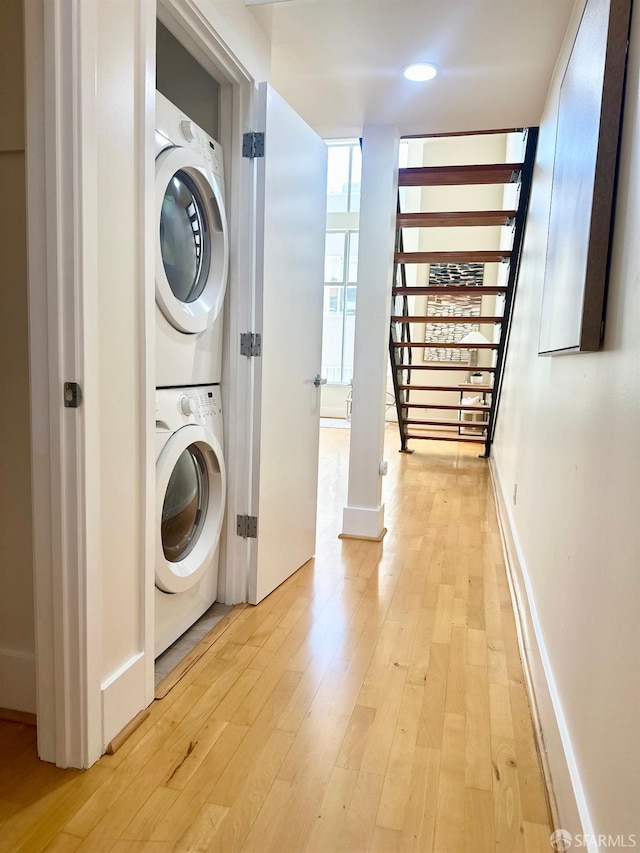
<point>318,381</point>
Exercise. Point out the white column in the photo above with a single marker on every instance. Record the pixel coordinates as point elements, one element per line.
<point>363,517</point>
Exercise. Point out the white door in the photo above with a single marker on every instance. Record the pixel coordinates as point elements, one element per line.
<point>291,215</point>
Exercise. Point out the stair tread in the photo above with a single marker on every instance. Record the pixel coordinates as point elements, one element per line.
<point>448,423</point>
<point>482,388</point>
<point>454,218</point>
<point>465,438</point>
<point>439,345</point>
<point>440,176</point>
<point>437,290</point>
<point>441,367</point>
<point>463,256</point>
<point>430,318</point>
<point>449,406</point>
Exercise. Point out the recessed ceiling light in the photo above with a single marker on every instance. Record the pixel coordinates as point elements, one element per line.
<point>420,71</point>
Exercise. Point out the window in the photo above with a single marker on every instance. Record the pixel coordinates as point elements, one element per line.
<point>343,177</point>
<point>339,315</point>
<point>341,260</point>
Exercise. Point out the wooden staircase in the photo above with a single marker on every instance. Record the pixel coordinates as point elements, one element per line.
<point>420,397</point>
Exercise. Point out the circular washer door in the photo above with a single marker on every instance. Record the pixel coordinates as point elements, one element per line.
<point>192,250</point>
<point>190,500</point>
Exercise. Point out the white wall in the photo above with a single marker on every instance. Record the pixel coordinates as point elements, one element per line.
<point>569,436</point>
<point>17,642</point>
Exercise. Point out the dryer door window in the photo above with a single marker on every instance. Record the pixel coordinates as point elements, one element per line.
<point>185,505</point>
<point>192,247</point>
<point>184,238</point>
<point>190,501</point>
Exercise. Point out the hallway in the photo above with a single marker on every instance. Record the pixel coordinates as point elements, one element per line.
<point>375,701</point>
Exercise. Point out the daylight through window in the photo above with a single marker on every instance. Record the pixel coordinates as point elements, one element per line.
<point>341,260</point>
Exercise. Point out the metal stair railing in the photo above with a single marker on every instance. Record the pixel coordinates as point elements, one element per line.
<point>512,281</point>
<point>400,358</point>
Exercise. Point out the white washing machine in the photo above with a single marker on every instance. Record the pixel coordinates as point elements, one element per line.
<point>192,250</point>
<point>190,503</point>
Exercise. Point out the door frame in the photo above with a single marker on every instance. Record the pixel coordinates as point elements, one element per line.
<point>62,168</point>
<point>60,42</point>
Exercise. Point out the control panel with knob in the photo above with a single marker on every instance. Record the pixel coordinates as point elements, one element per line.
<point>188,405</point>
<point>186,129</point>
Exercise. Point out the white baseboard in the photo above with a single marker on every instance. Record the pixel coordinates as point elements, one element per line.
<point>566,795</point>
<point>123,696</point>
<point>363,522</point>
<point>18,681</point>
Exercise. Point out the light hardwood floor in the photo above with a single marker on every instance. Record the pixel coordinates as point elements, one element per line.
<point>375,701</point>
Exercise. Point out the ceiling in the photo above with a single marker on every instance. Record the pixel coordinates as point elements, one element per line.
<point>339,62</point>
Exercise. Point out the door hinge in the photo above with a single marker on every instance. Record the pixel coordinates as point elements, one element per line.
<point>253,145</point>
<point>72,395</point>
<point>251,344</point>
<point>247,526</point>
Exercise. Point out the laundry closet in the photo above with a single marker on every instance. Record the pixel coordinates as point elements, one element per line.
<point>192,263</point>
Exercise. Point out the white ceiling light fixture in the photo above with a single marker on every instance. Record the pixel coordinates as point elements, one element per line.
<point>419,72</point>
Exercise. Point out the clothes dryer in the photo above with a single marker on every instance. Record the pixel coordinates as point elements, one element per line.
<point>190,504</point>
<point>192,250</point>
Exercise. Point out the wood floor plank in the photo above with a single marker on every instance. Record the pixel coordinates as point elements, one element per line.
<point>397,780</point>
<point>476,602</point>
<point>259,777</point>
<point>536,837</point>
<point>506,796</point>
<point>202,830</point>
<point>7,809</point>
<point>265,827</point>
<point>310,783</point>
<point>477,772</point>
<point>479,828</point>
<point>188,762</point>
<point>420,814</point>
<point>386,840</point>
<point>432,717</point>
<point>177,819</point>
<point>476,647</point>
<point>421,651</point>
<point>455,702</point>
<point>63,843</point>
<point>375,701</point>
<point>361,816</point>
<point>533,796</point>
<point>497,662</point>
<point>381,734</point>
<point>355,739</point>
<point>144,823</point>
<point>444,614</point>
<point>332,813</point>
<point>45,816</point>
<point>500,711</point>
<point>450,814</point>
<point>112,825</point>
<point>232,780</point>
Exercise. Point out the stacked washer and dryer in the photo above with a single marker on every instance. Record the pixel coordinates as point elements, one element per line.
<point>192,254</point>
